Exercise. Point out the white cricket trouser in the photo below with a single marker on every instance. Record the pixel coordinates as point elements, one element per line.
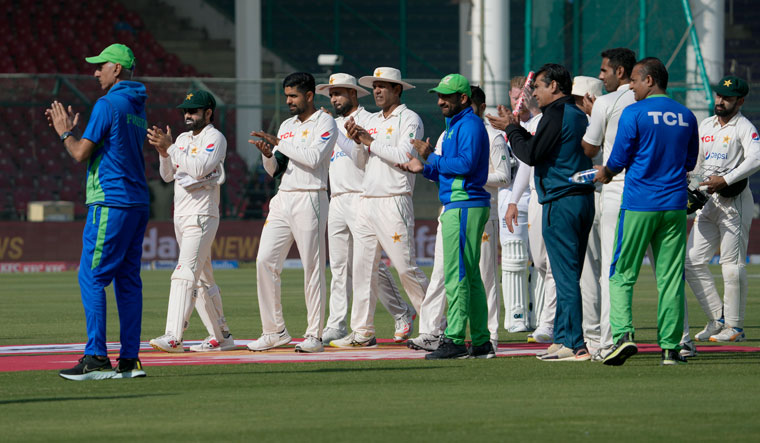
<point>723,222</point>
<point>195,235</point>
<point>612,197</point>
<point>489,266</point>
<point>591,291</point>
<point>514,262</point>
<point>383,224</point>
<point>340,224</point>
<point>433,309</point>
<point>545,302</point>
<point>299,216</point>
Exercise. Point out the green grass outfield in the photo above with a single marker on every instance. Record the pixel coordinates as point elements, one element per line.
<point>714,397</point>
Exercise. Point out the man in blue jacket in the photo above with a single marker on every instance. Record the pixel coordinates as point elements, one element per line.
<point>657,143</point>
<point>118,201</point>
<point>461,170</point>
<point>568,208</point>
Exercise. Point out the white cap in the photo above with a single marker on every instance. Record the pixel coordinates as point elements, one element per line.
<point>340,80</point>
<point>583,85</point>
<point>385,74</point>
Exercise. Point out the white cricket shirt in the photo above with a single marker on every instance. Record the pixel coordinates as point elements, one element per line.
<point>732,150</point>
<point>603,124</point>
<point>345,176</point>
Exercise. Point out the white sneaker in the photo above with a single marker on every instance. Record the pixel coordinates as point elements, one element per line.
<point>729,334</point>
<point>404,327</point>
<point>167,343</point>
<point>331,334</point>
<point>269,341</point>
<point>211,344</point>
<point>713,327</point>
<point>310,344</point>
<point>688,349</point>
<point>518,328</point>
<point>355,340</point>
<point>541,335</point>
<point>554,347</point>
<point>424,342</point>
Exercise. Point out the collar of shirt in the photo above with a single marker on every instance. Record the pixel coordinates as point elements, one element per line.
<point>558,102</point>
<point>200,134</point>
<point>395,113</point>
<point>625,86</point>
<point>312,118</point>
<point>734,120</point>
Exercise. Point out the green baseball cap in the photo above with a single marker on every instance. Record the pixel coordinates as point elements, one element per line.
<point>116,53</point>
<point>731,86</point>
<point>453,83</point>
<point>198,99</point>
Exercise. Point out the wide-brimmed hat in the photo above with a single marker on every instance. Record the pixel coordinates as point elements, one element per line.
<point>341,80</point>
<point>583,85</point>
<point>385,74</point>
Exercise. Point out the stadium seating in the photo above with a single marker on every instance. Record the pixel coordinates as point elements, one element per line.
<point>53,37</point>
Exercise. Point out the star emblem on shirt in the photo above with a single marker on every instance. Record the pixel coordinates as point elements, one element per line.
<point>188,96</point>
<point>389,130</point>
<point>726,139</point>
<point>305,133</point>
<point>396,237</point>
<point>727,83</point>
<point>485,238</point>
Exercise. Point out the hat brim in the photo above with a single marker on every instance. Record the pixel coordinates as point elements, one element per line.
<point>95,59</point>
<point>324,89</point>
<point>368,80</point>
<point>445,91</point>
<point>727,92</point>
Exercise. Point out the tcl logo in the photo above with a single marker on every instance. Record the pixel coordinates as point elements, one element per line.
<point>708,138</point>
<point>287,135</point>
<point>372,131</point>
<point>669,118</point>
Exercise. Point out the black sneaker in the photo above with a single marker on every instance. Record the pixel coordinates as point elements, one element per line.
<point>624,348</point>
<point>129,368</point>
<point>671,357</point>
<point>448,349</point>
<point>90,367</point>
<point>482,351</point>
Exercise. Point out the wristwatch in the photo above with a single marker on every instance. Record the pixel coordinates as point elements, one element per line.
<point>66,134</point>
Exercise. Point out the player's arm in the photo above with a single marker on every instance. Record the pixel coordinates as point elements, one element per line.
<point>64,121</point>
<point>522,181</point>
<point>750,141</point>
<point>166,168</point>
<point>211,153</point>
<point>326,134</point>
<point>534,149</point>
<point>462,162</point>
<point>626,142</point>
<point>500,177</point>
<point>594,136</point>
<point>411,128</point>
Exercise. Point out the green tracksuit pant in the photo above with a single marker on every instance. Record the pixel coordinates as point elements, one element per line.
<point>462,231</point>
<point>666,231</point>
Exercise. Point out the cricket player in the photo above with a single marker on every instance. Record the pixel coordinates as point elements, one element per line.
<point>298,212</point>
<point>345,190</point>
<point>461,170</point>
<point>118,202</point>
<point>432,315</point>
<point>195,162</point>
<point>657,143</point>
<point>729,148</point>
<point>386,215</point>
<point>515,202</point>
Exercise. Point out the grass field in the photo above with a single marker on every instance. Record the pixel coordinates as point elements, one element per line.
<point>715,397</point>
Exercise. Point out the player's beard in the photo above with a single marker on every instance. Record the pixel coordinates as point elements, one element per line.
<point>342,109</point>
<point>724,111</point>
<point>296,110</point>
<point>194,125</point>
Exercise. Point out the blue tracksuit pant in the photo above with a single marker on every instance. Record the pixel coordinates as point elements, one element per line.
<point>566,224</point>
<point>111,251</point>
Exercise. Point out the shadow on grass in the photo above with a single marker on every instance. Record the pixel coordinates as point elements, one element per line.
<point>57,399</point>
<point>307,371</point>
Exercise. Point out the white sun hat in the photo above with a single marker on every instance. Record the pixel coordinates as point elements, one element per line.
<point>341,80</point>
<point>385,74</point>
<point>583,85</point>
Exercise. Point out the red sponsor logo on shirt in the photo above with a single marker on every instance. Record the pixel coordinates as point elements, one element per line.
<point>210,148</point>
<point>326,136</point>
<point>708,138</point>
<point>755,136</point>
<point>372,131</point>
<point>287,135</point>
